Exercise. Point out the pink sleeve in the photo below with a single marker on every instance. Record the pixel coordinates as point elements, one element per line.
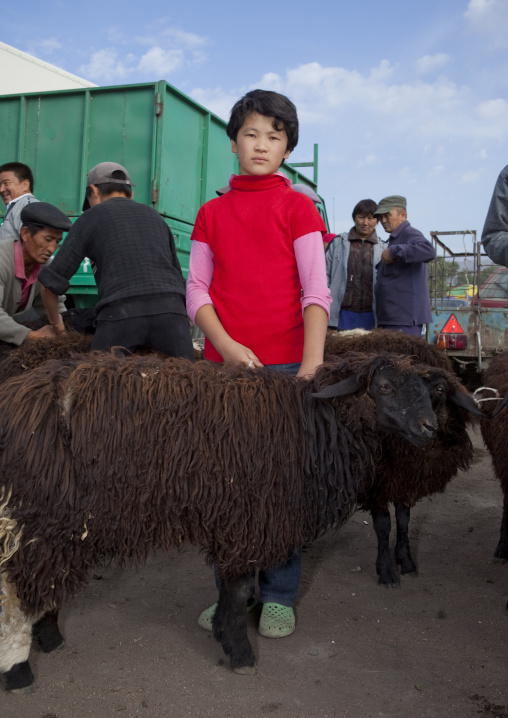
<point>199,277</point>
<point>310,258</point>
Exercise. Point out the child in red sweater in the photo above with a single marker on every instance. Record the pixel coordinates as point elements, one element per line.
<point>254,250</point>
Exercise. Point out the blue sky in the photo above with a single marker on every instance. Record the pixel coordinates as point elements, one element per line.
<point>402,98</point>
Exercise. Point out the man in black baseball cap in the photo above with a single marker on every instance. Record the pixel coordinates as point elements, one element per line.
<point>21,260</point>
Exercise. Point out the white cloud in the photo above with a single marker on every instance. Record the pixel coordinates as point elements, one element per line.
<point>431,63</point>
<point>49,45</point>
<point>489,18</point>
<point>161,63</point>
<point>369,159</point>
<point>216,100</point>
<point>105,66</point>
<point>44,48</point>
<point>169,50</point>
<point>417,109</point>
<point>187,40</point>
<point>470,177</point>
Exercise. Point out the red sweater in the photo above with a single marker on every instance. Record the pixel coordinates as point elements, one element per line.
<point>256,289</point>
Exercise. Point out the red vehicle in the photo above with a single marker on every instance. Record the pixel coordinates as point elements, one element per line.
<point>494,291</point>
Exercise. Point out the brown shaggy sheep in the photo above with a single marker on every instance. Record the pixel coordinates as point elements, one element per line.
<point>402,477</point>
<point>32,354</point>
<point>495,433</point>
<point>111,457</point>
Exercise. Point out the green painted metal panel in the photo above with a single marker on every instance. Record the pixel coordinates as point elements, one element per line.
<point>51,146</point>
<point>121,128</point>
<point>181,151</point>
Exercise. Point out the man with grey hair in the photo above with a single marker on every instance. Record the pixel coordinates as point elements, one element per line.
<point>139,280</point>
<point>402,292</point>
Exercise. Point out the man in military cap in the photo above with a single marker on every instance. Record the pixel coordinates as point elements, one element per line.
<point>139,280</point>
<point>16,190</point>
<point>402,292</point>
<point>20,263</point>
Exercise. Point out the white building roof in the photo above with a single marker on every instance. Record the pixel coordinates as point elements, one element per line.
<point>22,73</point>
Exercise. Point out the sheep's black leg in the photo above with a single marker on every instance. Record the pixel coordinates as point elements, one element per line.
<point>19,678</point>
<point>230,623</point>
<point>501,552</point>
<point>402,552</point>
<point>47,633</point>
<point>382,525</point>
<point>15,640</point>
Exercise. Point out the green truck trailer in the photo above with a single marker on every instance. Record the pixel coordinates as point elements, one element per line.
<point>177,152</point>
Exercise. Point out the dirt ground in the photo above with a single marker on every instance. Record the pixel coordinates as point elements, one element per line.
<point>436,646</point>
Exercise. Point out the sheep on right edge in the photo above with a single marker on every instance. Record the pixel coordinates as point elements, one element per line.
<point>405,477</point>
<point>495,434</point>
<point>109,457</point>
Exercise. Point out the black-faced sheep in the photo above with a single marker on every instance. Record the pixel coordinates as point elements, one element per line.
<point>405,477</point>
<point>112,457</point>
<point>495,433</point>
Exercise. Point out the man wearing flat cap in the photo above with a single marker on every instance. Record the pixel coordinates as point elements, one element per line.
<point>139,280</point>
<point>21,261</point>
<point>402,292</point>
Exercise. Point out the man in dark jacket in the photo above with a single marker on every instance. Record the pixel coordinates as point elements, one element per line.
<point>139,280</point>
<point>402,292</point>
<point>495,231</point>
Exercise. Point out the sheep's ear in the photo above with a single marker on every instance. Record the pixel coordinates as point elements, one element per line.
<point>465,402</point>
<point>347,386</point>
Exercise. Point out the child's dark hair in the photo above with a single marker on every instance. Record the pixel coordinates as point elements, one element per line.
<point>269,104</point>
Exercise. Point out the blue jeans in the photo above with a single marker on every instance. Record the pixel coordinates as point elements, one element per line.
<point>414,331</point>
<point>280,584</point>
<point>356,320</point>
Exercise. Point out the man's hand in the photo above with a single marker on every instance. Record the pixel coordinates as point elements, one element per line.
<point>385,257</point>
<point>58,327</point>
<point>46,332</point>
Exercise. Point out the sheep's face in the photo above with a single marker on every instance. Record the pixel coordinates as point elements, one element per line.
<point>404,404</point>
<point>408,397</point>
<point>403,397</point>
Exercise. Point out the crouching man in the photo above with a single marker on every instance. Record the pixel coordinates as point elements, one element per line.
<point>21,260</point>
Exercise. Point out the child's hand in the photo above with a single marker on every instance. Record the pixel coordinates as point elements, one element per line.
<point>236,353</point>
<point>307,370</point>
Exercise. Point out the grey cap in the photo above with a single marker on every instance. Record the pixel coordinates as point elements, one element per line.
<point>308,191</point>
<point>101,174</point>
<point>391,202</point>
<point>47,215</point>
